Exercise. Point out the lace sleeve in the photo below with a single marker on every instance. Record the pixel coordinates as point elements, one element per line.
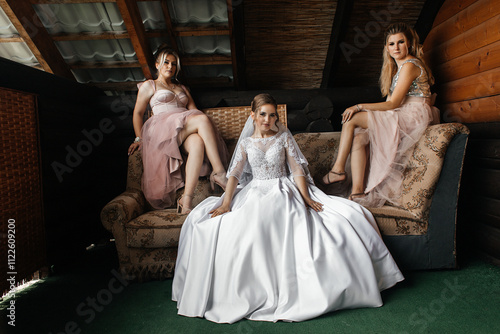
<point>297,165</point>
<point>239,161</point>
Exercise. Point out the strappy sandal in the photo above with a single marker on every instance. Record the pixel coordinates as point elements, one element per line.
<point>356,195</point>
<point>328,178</point>
<point>180,206</point>
<point>219,179</point>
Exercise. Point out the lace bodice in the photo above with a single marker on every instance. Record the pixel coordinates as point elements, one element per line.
<point>420,86</point>
<point>267,158</point>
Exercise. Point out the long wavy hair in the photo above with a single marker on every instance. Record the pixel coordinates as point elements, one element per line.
<point>389,66</point>
<point>161,54</point>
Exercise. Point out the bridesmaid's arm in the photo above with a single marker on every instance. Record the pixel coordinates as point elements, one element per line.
<point>228,197</point>
<point>190,105</point>
<point>301,183</point>
<point>408,73</point>
<point>143,96</point>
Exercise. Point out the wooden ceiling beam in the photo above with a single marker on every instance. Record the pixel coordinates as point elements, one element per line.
<point>60,2</point>
<point>90,36</point>
<point>170,27</point>
<point>200,60</point>
<point>133,21</point>
<point>23,17</point>
<point>219,82</point>
<point>426,18</point>
<point>339,28</point>
<point>206,60</point>
<point>106,64</point>
<point>208,29</point>
<point>13,39</point>
<point>236,24</point>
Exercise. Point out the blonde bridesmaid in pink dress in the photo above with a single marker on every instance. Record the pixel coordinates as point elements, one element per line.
<point>390,129</point>
<point>175,130</point>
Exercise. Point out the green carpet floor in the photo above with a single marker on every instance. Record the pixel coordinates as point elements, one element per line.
<point>86,297</point>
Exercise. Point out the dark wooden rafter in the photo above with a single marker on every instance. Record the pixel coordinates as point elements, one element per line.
<point>133,21</point>
<point>187,60</point>
<point>88,36</point>
<point>60,2</point>
<point>208,29</point>
<point>339,27</point>
<point>23,17</point>
<point>237,37</point>
<point>207,60</point>
<point>220,82</point>
<point>107,64</point>
<point>427,15</point>
<point>169,24</point>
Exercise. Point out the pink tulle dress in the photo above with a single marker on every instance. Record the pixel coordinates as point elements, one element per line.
<point>391,135</point>
<point>161,156</point>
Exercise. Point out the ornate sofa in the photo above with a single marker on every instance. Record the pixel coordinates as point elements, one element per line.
<point>146,239</point>
<point>420,234</point>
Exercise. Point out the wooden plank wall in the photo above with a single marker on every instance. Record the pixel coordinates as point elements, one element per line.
<point>463,51</point>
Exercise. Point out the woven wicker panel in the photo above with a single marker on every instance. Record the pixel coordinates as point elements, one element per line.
<point>231,120</point>
<point>286,42</point>
<point>20,187</point>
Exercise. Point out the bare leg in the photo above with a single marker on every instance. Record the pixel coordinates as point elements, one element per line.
<point>201,124</point>
<point>358,165</point>
<point>194,147</point>
<point>360,119</point>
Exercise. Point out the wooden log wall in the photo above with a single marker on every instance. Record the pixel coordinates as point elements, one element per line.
<point>463,51</point>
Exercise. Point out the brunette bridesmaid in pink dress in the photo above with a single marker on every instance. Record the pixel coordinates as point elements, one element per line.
<point>175,130</point>
<point>390,128</point>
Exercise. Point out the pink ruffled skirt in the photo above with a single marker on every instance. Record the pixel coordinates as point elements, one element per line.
<point>162,158</point>
<point>392,135</point>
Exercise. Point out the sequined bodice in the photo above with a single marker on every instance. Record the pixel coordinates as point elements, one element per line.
<point>420,86</point>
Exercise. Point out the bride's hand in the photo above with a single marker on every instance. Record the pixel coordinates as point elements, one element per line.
<point>316,206</point>
<point>219,211</point>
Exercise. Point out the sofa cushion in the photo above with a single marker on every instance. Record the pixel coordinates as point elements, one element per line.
<point>154,229</point>
<point>424,167</point>
<point>392,220</point>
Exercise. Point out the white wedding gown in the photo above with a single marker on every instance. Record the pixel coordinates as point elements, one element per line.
<point>272,258</point>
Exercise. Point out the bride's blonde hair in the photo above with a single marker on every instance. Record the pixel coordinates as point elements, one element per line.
<point>389,66</point>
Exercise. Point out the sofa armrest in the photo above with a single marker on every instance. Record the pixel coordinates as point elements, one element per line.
<point>123,208</point>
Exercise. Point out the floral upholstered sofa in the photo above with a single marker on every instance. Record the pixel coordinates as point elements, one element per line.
<point>420,234</point>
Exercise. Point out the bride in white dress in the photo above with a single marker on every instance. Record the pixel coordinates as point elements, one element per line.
<point>276,247</point>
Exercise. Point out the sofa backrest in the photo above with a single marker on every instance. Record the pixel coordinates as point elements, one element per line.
<point>231,120</point>
<point>422,172</point>
<point>420,176</point>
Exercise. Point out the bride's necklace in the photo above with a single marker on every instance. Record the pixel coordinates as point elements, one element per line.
<point>172,87</point>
